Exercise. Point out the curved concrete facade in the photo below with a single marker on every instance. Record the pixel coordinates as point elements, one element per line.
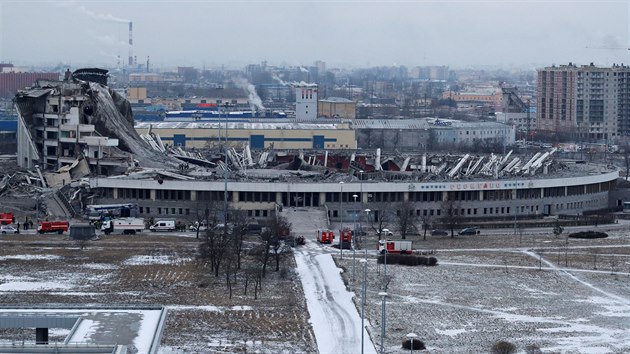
<point>475,199</point>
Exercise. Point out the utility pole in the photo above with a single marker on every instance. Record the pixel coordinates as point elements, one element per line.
<point>225,172</point>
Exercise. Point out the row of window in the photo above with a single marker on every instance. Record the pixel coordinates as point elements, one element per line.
<point>164,211</point>
<point>186,211</point>
<point>312,198</point>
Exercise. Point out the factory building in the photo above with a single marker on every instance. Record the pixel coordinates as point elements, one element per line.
<point>258,135</point>
<point>491,97</point>
<point>337,107</point>
<point>432,133</point>
<point>11,81</point>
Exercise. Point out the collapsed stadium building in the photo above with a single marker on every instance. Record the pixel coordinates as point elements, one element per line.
<point>81,128</point>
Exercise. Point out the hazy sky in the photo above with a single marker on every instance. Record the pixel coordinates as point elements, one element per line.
<point>342,33</point>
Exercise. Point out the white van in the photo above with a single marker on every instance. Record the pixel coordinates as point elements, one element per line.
<point>163,225</point>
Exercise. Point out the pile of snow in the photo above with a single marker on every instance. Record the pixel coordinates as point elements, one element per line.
<point>30,257</point>
<point>148,260</point>
<point>100,266</point>
<point>34,286</point>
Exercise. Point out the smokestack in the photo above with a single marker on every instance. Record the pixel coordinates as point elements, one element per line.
<point>147,63</point>
<point>130,43</point>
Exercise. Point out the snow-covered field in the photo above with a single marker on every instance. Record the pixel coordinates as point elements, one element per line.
<point>485,289</point>
<point>475,298</point>
<point>201,318</point>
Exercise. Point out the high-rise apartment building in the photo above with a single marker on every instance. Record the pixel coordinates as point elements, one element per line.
<point>588,102</point>
<point>555,100</point>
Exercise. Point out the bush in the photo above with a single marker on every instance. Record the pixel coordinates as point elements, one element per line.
<point>417,344</point>
<point>533,349</point>
<point>503,347</point>
<point>407,260</point>
<point>588,234</point>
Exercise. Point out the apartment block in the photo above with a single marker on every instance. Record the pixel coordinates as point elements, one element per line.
<point>587,102</point>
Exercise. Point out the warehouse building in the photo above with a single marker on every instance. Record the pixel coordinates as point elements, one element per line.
<point>258,135</point>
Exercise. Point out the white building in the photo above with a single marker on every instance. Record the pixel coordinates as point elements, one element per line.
<point>306,102</point>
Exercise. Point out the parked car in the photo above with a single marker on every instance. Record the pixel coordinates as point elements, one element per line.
<point>195,226</point>
<point>469,231</point>
<point>163,225</point>
<point>221,228</point>
<point>254,228</point>
<point>439,232</point>
<point>8,229</point>
<point>385,232</point>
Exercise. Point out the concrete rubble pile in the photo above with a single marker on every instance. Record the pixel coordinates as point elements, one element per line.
<point>20,183</point>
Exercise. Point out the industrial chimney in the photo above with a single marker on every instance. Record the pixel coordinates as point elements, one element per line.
<point>130,43</point>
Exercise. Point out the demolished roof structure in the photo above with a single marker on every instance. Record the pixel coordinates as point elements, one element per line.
<point>60,121</point>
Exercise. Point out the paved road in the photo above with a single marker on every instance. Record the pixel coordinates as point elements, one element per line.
<point>334,317</point>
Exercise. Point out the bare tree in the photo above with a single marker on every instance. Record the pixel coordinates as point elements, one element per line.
<point>230,270</point>
<point>406,218</point>
<point>239,219</point>
<point>203,210</point>
<point>215,244</point>
<point>383,215</point>
<point>426,220</point>
<point>450,215</point>
<point>276,229</point>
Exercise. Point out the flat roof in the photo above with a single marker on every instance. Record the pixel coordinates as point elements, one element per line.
<point>243,125</point>
<point>138,326</point>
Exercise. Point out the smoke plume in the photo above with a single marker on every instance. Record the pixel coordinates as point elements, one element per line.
<point>74,6</point>
<point>252,97</point>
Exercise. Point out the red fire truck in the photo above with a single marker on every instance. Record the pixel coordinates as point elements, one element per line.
<point>397,246</point>
<point>325,236</point>
<point>346,235</point>
<point>6,218</point>
<point>53,226</point>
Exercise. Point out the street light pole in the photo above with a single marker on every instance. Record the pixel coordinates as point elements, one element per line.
<point>362,203</point>
<point>37,204</point>
<point>411,337</point>
<point>225,172</point>
<point>383,318</point>
<point>367,216</point>
<point>364,288</point>
<point>354,231</point>
<point>341,219</point>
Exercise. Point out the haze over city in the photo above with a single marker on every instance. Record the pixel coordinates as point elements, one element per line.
<point>343,33</point>
<point>314,176</point>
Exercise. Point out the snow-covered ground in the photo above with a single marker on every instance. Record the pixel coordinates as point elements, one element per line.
<point>475,298</point>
